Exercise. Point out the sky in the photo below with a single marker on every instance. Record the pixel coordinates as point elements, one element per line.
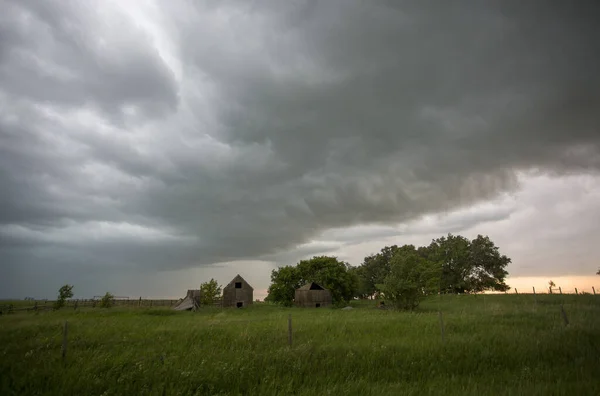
<point>147,146</point>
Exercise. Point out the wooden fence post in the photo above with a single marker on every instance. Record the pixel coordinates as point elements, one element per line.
<point>64,343</point>
<point>140,302</point>
<point>559,289</point>
<point>290,329</point>
<point>442,326</point>
<point>516,291</point>
<point>576,292</point>
<point>564,315</point>
<point>594,290</point>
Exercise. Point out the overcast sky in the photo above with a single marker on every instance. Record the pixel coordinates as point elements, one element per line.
<point>148,145</point>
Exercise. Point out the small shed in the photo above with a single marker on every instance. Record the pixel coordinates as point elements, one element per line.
<point>238,293</point>
<point>312,295</point>
<point>190,302</point>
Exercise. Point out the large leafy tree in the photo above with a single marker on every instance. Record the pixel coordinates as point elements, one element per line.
<point>463,265</point>
<point>374,269</point>
<point>468,266</point>
<point>327,271</point>
<point>451,253</point>
<point>411,278</point>
<point>364,289</point>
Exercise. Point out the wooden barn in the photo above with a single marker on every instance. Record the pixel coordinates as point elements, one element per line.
<point>238,293</point>
<point>312,295</point>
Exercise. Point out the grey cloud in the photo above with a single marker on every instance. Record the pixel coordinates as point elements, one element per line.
<point>66,54</point>
<point>287,119</point>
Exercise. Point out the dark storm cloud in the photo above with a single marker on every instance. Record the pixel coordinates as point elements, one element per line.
<point>261,125</point>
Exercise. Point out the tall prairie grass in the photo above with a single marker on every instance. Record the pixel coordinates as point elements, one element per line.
<point>494,345</point>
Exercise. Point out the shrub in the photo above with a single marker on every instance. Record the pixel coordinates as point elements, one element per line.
<point>107,301</point>
<point>64,292</point>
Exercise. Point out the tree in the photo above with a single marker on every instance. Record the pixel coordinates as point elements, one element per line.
<point>411,278</point>
<point>107,300</point>
<point>374,269</point>
<point>209,292</point>
<point>64,293</point>
<point>468,266</point>
<point>284,282</point>
<point>364,289</point>
<point>551,284</point>
<point>451,253</point>
<point>336,276</point>
<point>487,266</point>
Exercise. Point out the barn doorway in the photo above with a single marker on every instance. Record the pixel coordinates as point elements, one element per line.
<point>238,285</point>
<point>239,304</point>
<point>318,305</point>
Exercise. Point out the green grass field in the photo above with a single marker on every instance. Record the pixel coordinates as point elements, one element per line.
<point>494,345</point>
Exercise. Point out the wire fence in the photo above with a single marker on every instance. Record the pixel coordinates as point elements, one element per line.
<point>45,305</point>
<point>31,305</point>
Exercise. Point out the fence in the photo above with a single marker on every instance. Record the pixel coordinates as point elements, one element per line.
<point>555,290</point>
<point>44,305</point>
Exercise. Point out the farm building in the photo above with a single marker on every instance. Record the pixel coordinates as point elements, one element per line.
<point>191,301</point>
<point>238,293</point>
<point>312,295</point>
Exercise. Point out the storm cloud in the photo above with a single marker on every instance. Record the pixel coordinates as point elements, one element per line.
<point>170,135</point>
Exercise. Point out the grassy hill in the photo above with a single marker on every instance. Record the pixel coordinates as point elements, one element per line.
<point>494,345</point>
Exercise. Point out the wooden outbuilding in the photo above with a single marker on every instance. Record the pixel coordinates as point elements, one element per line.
<point>190,302</point>
<point>312,295</point>
<point>238,293</point>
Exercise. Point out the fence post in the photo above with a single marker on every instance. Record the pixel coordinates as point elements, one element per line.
<point>576,292</point>
<point>64,343</point>
<point>442,326</point>
<point>516,291</point>
<point>559,289</point>
<point>76,303</point>
<point>594,290</point>
<point>564,315</point>
<point>140,302</point>
<point>290,329</point>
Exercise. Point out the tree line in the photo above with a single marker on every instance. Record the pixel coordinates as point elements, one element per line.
<point>403,275</point>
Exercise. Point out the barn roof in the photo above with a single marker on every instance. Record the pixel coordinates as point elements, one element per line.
<point>312,286</point>
<point>238,278</point>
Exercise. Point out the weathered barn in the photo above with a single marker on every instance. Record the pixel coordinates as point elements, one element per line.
<point>191,301</point>
<point>238,293</point>
<point>312,295</point>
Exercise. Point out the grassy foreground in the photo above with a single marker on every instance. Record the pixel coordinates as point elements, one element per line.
<point>494,345</point>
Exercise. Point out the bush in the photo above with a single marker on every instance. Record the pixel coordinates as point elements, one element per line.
<point>107,301</point>
<point>64,292</point>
